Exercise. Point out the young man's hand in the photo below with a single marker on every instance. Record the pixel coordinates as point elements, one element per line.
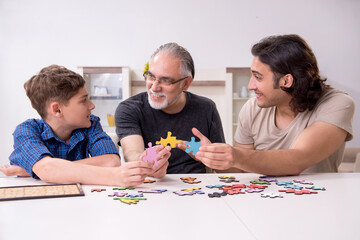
<point>203,140</point>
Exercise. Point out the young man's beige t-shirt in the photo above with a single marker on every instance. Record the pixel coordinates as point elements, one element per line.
<point>257,126</point>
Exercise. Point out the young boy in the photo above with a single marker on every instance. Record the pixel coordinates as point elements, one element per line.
<point>57,148</point>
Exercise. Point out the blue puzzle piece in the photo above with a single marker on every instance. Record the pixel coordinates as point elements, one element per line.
<point>194,146</point>
<point>136,195</point>
<point>215,186</point>
<point>293,186</point>
<point>283,183</point>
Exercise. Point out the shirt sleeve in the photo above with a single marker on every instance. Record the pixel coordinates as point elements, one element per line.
<point>337,110</point>
<point>29,148</point>
<point>127,119</point>
<point>99,142</point>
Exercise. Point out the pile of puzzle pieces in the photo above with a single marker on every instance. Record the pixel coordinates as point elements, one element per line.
<point>296,187</point>
<point>261,184</point>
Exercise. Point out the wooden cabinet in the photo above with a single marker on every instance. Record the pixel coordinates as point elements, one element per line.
<point>107,87</point>
<point>237,80</point>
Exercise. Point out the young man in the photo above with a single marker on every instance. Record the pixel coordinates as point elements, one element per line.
<point>296,122</point>
<point>167,106</point>
<point>68,144</point>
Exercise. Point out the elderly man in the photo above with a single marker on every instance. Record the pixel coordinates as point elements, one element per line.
<point>167,106</point>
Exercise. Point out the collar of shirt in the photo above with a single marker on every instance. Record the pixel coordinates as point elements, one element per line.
<point>47,134</point>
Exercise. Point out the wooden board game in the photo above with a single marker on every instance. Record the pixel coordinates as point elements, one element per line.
<point>40,191</point>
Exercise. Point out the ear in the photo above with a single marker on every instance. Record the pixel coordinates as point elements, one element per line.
<point>55,109</point>
<point>287,81</point>
<point>187,83</point>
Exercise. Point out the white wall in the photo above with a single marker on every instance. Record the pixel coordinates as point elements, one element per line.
<point>218,34</point>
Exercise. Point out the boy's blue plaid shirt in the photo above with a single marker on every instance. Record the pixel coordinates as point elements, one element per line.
<point>34,139</point>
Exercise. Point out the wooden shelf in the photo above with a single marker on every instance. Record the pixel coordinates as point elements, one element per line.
<point>98,70</point>
<point>241,70</point>
<point>220,83</point>
<point>240,99</point>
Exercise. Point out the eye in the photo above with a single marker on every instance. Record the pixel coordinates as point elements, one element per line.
<point>166,81</point>
<point>151,77</point>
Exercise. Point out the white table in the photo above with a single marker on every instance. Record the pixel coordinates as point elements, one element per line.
<point>330,214</point>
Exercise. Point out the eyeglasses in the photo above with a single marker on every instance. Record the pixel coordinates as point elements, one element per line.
<point>164,80</point>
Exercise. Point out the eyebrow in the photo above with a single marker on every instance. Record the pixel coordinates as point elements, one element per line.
<point>161,77</point>
<point>256,72</point>
<point>84,96</point>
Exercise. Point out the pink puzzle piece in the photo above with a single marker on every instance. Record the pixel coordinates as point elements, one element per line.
<point>151,154</point>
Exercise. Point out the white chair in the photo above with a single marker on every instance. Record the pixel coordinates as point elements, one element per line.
<point>351,160</point>
<point>115,139</point>
<point>357,163</point>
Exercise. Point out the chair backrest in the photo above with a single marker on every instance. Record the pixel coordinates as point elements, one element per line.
<point>357,163</point>
<point>114,138</point>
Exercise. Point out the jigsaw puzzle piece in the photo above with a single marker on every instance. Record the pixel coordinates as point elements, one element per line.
<point>283,183</point>
<point>190,189</point>
<point>153,191</point>
<point>149,181</point>
<point>257,186</point>
<point>118,194</point>
<point>227,177</point>
<point>128,200</point>
<point>215,186</point>
<point>184,193</point>
<point>135,195</point>
<point>123,188</point>
<point>169,140</point>
<point>194,146</point>
<point>217,194</point>
<point>254,190</point>
<point>151,154</point>
<point>98,189</point>
<point>303,182</point>
<point>229,180</point>
<point>260,182</point>
<point>271,195</point>
<point>268,179</point>
<point>316,188</point>
<point>189,180</point>
<point>293,186</point>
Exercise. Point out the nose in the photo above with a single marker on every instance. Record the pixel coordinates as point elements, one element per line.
<point>156,86</point>
<point>92,105</point>
<point>252,85</point>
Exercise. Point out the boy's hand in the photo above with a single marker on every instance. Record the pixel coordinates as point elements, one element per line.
<point>133,173</point>
<point>13,170</point>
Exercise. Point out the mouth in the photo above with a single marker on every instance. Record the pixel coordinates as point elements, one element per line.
<point>258,94</point>
<point>157,97</point>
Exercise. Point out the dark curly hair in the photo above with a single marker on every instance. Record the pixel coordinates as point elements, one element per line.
<point>290,54</point>
<point>52,83</point>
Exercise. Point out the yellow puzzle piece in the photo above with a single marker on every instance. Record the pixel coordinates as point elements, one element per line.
<point>169,140</point>
<point>129,201</point>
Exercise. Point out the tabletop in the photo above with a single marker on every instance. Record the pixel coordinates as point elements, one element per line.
<point>332,213</point>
